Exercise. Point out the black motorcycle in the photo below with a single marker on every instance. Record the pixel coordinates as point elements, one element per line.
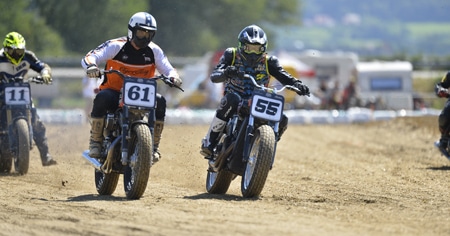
<point>16,132</point>
<point>248,143</point>
<point>128,138</point>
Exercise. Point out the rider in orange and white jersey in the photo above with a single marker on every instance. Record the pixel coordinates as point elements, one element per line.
<point>135,55</point>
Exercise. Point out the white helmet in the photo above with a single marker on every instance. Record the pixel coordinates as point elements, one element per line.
<point>144,21</point>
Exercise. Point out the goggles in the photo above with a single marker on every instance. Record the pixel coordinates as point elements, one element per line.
<point>142,33</point>
<point>15,52</point>
<point>253,48</point>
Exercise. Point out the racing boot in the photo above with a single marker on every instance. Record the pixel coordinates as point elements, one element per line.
<point>210,141</point>
<point>442,144</point>
<point>41,142</point>
<point>96,140</point>
<point>157,131</point>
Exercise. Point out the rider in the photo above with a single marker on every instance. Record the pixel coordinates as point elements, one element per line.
<point>251,58</point>
<point>444,117</point>
<point>15,61</point>
<point>134,55</point>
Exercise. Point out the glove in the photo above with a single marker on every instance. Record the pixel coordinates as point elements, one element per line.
<point>303,89</point>
<point>233,72</point>
<point>93,71</point>
<point>46,77</point>
<point>176,81</point>
<point>440,91</point>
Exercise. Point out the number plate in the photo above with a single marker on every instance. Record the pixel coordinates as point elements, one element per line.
<point>139,92</point>
<point>267,106</point>
<point>18,95</point>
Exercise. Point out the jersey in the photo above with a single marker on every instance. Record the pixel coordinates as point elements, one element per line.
<point>29,61</point>
<point>120,55</point>
<point>264,67</point>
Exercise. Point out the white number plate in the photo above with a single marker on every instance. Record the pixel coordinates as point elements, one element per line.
<point>267,106</point>
<point>17,95</point>
<point>139,92</point>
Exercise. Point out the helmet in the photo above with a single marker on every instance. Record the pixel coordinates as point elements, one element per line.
<point>141,29</point>
<point>14,47</point>
<point>252,40</point>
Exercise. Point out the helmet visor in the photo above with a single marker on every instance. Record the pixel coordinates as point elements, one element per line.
<point>142,33</point>
<point>15,51</point>
<point>253,48</point>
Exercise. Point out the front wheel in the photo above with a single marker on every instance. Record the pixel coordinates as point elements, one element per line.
<point>22,148</point>
<point>140,153</point>
<point>259,162</point>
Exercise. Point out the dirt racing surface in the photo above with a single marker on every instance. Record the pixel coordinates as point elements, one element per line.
<point>381,178</point>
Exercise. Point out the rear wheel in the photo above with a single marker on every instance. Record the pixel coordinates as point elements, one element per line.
<point>259,162</point>
<point>137,171</point>
<point>22,153</point>
<point>6,158</point>
<point>218,182</point>
<point>106,183</point>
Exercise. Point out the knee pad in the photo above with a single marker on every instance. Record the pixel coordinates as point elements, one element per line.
<point>228,106</point>
<point>161,104</point>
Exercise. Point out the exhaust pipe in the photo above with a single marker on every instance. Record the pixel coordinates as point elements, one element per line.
<point>93,161</point>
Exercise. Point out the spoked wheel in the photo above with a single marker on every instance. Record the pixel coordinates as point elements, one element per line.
<point>137,172</point>
<point>259,162</point>
<point>22,153</point>
<point>106,183</point>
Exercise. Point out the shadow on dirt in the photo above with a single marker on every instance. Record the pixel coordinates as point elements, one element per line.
<point>225,197</point>
<point>443,168</point>
<point>95,197</point>
<point>10,174</point>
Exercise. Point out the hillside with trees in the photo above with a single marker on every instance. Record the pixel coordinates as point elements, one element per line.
<point>64,29</point>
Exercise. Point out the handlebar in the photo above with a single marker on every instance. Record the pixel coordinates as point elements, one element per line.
<point>162,77</point>
<point>35,79</point>
<point>274,90</point>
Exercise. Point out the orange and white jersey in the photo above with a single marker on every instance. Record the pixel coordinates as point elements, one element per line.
<point>120,55</point>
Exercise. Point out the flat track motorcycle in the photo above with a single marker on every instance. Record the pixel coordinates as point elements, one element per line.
<point>128,138</point>
<point>16,132</point>
<point>248,143</point>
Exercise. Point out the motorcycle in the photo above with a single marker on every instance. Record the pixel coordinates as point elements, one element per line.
<point>128,138</point>
<point>444,93</point>
<point>247,146</point>
<point>16,132</point>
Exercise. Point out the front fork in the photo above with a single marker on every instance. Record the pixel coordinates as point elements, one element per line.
<point>126,131</point>
<point>249,135</point>
<point>11,117</point>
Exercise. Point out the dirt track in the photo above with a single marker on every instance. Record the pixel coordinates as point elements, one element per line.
<point>381,178</point>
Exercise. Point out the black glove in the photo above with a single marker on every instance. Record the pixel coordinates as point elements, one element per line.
<point>440,91</point>
<point>231,72</point>
<point>303,89</point>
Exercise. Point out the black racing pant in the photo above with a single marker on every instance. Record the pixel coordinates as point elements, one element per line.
<point>444,120</point>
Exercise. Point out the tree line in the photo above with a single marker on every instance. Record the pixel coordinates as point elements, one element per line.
<point>61,29</point>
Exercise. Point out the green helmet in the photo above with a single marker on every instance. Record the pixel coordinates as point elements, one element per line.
<point>14,47</point>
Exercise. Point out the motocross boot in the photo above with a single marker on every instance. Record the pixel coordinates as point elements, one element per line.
<point>41,142</point>
<point>95,142</point>
<point>157,131</point>
<point>210,141</point>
